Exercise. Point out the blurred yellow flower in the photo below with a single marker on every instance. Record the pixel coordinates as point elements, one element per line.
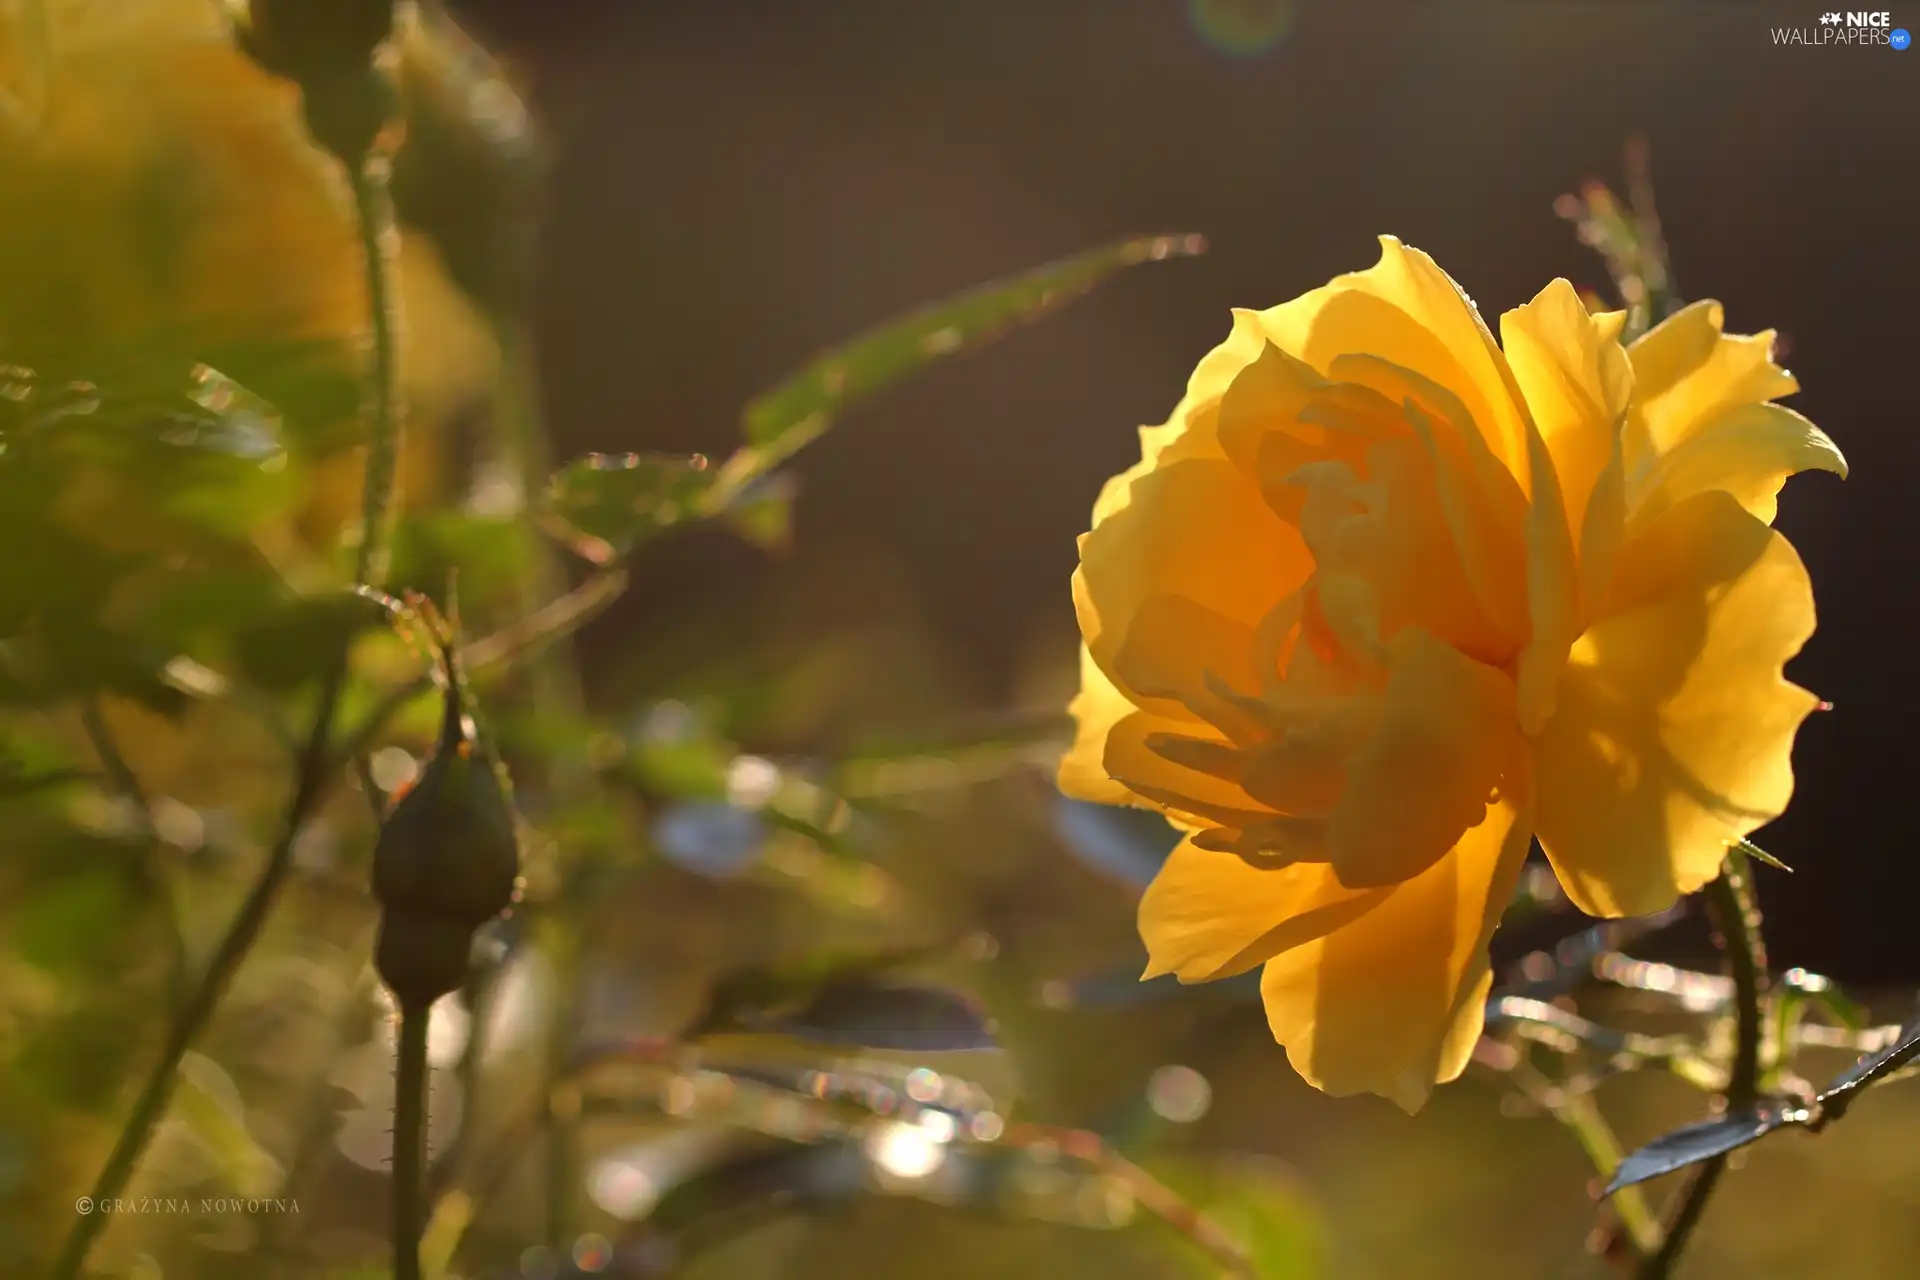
<point>165,208</point>
<point>1384,599</point>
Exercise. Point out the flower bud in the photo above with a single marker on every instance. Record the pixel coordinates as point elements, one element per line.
<point>348,111</point>
<point>330,49</point>
<point>447,861</point>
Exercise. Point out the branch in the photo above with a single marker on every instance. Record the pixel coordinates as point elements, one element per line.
<point>1736,917</point>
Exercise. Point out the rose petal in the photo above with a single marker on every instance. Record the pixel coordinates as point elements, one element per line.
<point>1444,735</point>
<point>1675,727</point>
<point>1210,915</point>
<point>1096,709</point>
<point>1393,1001</point>
<point>1198,529</point>
<point>1748,451</point>
<point>1405,309</point>
<point>1688,372</point>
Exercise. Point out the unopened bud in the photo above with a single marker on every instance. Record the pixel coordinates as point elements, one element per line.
<point>447,861</point>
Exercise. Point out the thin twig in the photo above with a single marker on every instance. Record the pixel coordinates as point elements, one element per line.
<point>558,617</point>
<point>120,774</point>
<point>1736,917</point>
<point>380,249</point>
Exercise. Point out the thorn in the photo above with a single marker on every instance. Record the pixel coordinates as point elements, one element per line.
<point>1758,854</point>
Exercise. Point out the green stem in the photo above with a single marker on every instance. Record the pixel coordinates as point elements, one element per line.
<point>1579,1112</point>
<point>317,763</point>
<point>409,1142</point>
<point>379,247</point>
<point>1736,918</point>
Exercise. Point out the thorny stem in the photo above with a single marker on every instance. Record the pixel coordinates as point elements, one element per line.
<point>409,1141</point>
<point>317,765</point>
<point>1736,918</point>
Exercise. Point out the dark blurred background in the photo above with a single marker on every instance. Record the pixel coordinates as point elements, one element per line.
<point>742,182</point>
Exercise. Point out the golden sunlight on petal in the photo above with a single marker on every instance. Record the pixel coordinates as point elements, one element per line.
<point>1482,503</point>
<point>1176,649</point>
<point>1749,452</point>
<point>1197,528</point>
<point>1280,415</point>
<point>1392,1002</point>
<point>1577,381</point>
<point>1553,593</point>
<point>1444,735</point>
<point>1096,709</point>
<point>1675,728</point>
<point>1688,373</point>
<point>1406,310</point>
<point>1210,915</point>
<point>1131,759</point>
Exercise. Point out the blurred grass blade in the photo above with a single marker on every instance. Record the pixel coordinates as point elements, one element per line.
<point>1704,1141</point>
<point>785,419</point>
<point>1845,1088</point>
<point>210,1105</point>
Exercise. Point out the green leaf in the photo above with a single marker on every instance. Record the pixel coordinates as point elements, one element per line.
<point>31,764</point>
<point>604,504</point>
<point>1704,1141</point>
<point>763,515</point>
<point>1845,1089</point>
<point>800,408</point>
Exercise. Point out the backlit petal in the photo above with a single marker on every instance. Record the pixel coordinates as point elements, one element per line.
<point>1392,1002</point>
<point>1749,452</point>
<point>1096,709</point>
<point>1577,380</point>
<point>1688,373</point>
<point>1405,309</point>
<point>1197,528</point>
<point>1210,915</point>
<point>1444,735</point>
<point>1675,727</point>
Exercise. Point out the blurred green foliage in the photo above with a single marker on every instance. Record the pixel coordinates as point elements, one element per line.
<point>815,974</point>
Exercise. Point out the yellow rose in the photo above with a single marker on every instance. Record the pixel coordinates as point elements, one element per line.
<point>1383,600</point>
